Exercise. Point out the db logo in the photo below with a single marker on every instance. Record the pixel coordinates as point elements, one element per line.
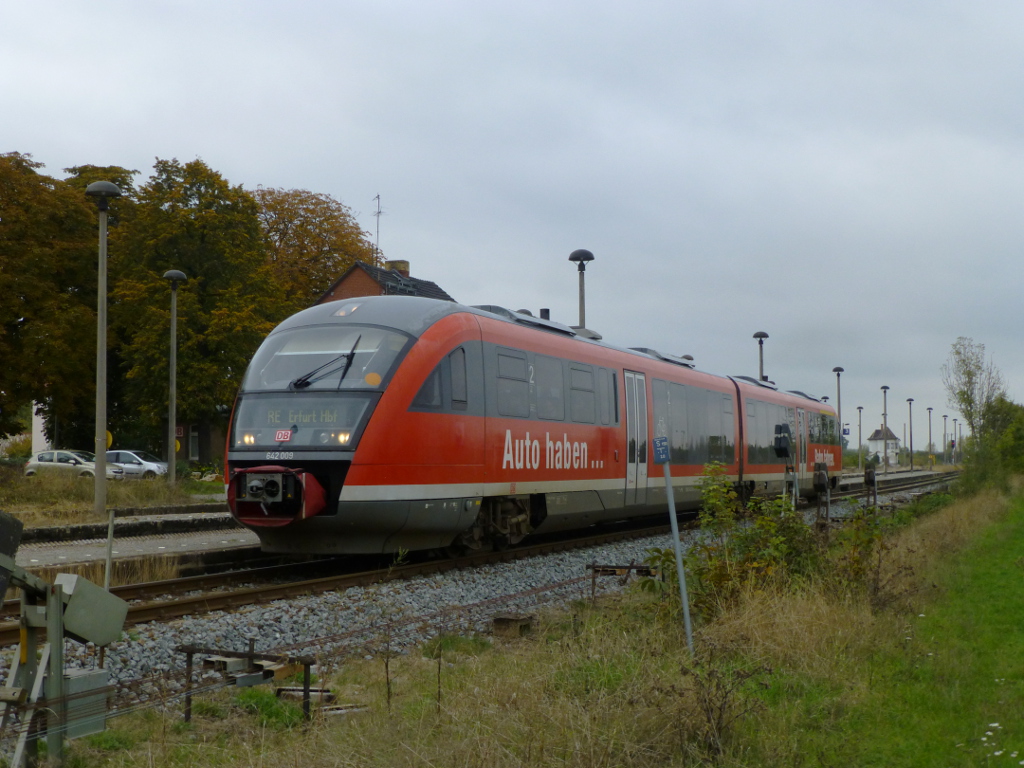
<point>283,436</point>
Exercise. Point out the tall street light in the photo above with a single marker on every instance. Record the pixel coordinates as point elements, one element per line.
<point>760,336</point>
<point>175,276</point>
<point>953,443</point>
<point>931,448</point>
<point>860,443</point>
<point>885,428</point>
<point>839,414</point>
<point>910,406</point>
<point>104,192</point>
<point>581,257</point>
<point>945,443</point>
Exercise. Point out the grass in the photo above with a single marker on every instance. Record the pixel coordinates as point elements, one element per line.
<point>51,499</point>
<point>810,674</point>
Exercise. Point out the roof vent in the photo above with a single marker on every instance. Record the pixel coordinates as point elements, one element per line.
<point>686,361</point>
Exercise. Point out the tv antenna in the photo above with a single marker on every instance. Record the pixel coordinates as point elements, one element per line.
<point>376,238</point>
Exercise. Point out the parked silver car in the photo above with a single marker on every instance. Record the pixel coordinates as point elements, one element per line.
<point>81,463</point>
<point>137,464</point>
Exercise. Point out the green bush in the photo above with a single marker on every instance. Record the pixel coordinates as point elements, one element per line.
<point>774,543</point>
<point>19,448</point>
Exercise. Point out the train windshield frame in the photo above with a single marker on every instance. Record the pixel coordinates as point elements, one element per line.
<point>310,355</point>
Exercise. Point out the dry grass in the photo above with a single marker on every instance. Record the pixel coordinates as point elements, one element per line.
<point>134,570</point>
<point>52,499</point>
<point>609,685</point>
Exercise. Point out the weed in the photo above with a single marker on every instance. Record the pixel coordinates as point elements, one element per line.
<point>270,711</point>
<point>111,741</point>
<point>210,709</point>
<point>471,645</point>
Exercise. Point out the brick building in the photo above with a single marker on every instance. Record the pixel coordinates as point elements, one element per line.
<point>367,280</point>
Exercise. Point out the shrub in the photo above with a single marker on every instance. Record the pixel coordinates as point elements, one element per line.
<point>18,448</point>
<point>775,543</point>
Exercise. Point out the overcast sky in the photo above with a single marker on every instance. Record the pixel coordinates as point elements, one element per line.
<point>847,177</point>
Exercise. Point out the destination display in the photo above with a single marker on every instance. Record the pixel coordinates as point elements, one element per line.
<point>290,422</point>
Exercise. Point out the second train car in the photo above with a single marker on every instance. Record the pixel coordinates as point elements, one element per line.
<point>389,423</point>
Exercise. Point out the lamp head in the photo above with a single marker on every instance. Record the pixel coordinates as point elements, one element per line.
<point>760,336</point>
<point>837,370</point>
<point>581,256</point>
<point>103,191</point>
<point>175,276</point>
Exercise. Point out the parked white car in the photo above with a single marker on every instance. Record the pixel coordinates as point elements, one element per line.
<point>137,464</point>
<point>80,463</point>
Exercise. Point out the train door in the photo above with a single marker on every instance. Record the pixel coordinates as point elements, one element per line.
<point>636,437</point>
<point>801,442</point>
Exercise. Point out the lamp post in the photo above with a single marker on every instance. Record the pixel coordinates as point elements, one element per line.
<point>175,276</point>
<point>945,439</point>
<point>581,257</point>
<point>910,406</point>
<point>103,191</point>
<point>839,414</point>
<point>760,336</point>
<point>860,443</point>
<point>931,448</point>
<point>885,428</point>
<point>953,445</point>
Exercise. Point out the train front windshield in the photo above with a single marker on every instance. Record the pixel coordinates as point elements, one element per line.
<point>329,357</point>
<point>314,387</point>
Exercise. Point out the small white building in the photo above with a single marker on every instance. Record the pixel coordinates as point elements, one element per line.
<point>877,445</point>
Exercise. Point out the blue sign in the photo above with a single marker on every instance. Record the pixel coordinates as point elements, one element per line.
<point>846,430</point>
<point>661,450</point>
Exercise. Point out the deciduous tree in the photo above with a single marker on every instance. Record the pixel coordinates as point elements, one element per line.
<point>188,217</point>
<point>47,293</point>
<point>972,383</point>
<point>311,239</point>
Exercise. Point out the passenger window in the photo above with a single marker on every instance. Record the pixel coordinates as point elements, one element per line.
<point>604,394</point>
<point>460,395</point>
<point>550,391</point>
<point>582,398</point>
<point>48,456</point>
<point>513,385</point>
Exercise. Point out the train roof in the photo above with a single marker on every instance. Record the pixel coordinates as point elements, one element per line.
<point>415,314</point>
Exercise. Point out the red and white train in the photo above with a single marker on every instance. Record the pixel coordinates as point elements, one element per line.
<point>387,423</point>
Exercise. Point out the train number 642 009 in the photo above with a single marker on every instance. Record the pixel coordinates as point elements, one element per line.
<point>280,455</point>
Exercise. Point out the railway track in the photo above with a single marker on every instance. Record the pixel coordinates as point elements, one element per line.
<point>899,485</point>
<point>213,597</point>
<point>203,593</point>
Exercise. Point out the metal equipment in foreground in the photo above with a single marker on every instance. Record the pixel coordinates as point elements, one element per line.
<point>245,669</point>
<point>38,690</point>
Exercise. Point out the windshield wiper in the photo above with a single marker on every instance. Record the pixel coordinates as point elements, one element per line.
<point>305,380</point>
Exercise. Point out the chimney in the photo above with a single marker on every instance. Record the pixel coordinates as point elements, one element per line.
<point>401,267</point>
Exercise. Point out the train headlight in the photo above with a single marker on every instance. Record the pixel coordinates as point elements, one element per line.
<point>344,437</point>
<point>324,438</point>
<point>249,438</point>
